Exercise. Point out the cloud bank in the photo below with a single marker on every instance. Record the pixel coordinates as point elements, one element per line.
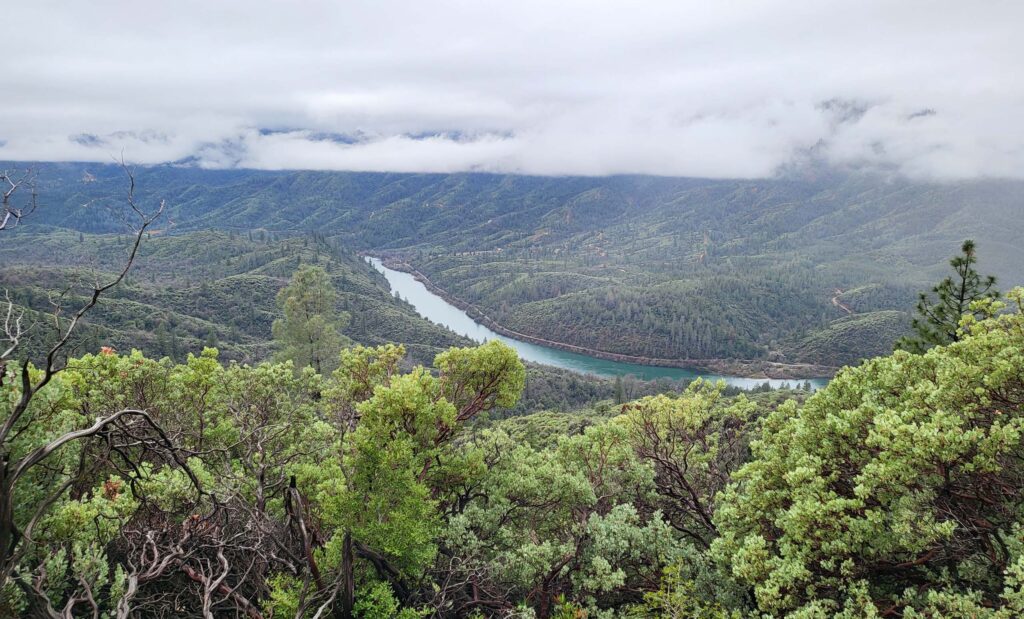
<point>929,89</point>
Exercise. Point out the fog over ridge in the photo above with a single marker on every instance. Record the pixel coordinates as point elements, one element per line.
<point>927,89</point>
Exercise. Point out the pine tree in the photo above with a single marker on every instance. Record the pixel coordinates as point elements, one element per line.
<point>175,344</point>
<point>163,340</point>
<point>938,320</point>
<point>620,391</point>
<point>309,332</point>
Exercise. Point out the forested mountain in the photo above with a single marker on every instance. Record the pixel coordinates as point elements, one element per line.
<point>217,288</point>
<point>512,310</point>
<point>373,487</point>
<point>141,488</point>
<point>212,288</point>
<point>820,269</point>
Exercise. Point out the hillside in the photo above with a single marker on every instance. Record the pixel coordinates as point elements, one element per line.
<point>906,471</point>
<point>646,266</point>
<point>207,288</point>
<point>217,288</point>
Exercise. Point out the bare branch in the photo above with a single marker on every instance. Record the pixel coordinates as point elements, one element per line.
<point>13,542</point>
<point>10,215</point>
<point>51,366</point>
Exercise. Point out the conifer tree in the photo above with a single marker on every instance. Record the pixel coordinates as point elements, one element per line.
<point>309,331</point>
<point>938,319</point>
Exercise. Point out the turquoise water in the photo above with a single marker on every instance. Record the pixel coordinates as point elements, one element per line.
<point>439,311</point>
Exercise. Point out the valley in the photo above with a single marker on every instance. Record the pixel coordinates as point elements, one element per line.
<point>433,304</point>
<point>512,310</point>
<point>735,277</point>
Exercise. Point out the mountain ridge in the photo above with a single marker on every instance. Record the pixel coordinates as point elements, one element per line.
<point>656,267</point>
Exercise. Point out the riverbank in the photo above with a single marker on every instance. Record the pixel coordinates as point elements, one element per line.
<point>755,369</point>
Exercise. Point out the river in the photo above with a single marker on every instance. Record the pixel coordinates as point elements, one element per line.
<point>437,310</point>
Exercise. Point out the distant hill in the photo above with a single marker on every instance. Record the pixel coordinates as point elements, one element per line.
<point>823,269</point>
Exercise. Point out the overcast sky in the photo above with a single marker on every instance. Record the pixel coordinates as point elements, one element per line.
<point>711,88</point>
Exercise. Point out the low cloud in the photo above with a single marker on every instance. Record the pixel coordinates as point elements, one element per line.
<point>928,89</point>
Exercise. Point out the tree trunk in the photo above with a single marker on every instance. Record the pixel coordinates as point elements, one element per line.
<point>348,587</point>
<point>544,604</point>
